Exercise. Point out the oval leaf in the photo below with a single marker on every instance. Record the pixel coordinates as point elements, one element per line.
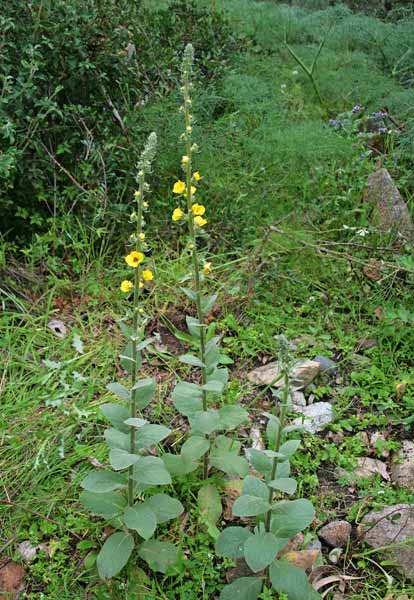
<point>159,556</point>
<point>164,507</point>
<point>100,482</point>
<point>109,504</point>
<point>120,459</point>
<point>142,519</point>
<point>261,549</point>
<point>114,554</point>
<point>292,581</point>
<point>250,506</point>
<point>244,588</point>
<point>230,542</point>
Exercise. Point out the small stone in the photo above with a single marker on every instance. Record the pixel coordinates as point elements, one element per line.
<point>334,555</point>
<point>390,212</point>
<point>317,416</point>
<point>402,467</point>
<point>377,440</point>
<point>58,327</point>
<point>27,551</point>
<point>303,559</point>
<point>336,533</point>
<point>298,398</point>
<point>326,364</point>
<point>11,579</point>
<point>367,344</point>
<point>256,437</point>
<point>367,467</point>
<point>303,374</point>
<point>390,526</point>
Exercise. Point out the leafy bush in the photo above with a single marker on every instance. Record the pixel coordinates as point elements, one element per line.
<point>77,77</point>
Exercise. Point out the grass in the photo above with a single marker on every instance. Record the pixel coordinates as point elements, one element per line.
<point>282,185</point>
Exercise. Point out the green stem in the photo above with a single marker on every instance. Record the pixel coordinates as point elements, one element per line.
<point>134,338</point>
<point>278,443</point>
<point>193,241</point>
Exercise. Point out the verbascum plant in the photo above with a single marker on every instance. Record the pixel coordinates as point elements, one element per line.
<point>276,520</point>
<point>200,400</point>
<point>123,494</point>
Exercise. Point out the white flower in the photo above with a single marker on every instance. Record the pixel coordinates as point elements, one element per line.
<point>295,72</point>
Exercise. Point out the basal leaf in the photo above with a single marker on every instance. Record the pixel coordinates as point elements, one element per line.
<point>292,581</point>
<point>164,507</point>
<point>261,549</point>
<point>114,554</point>
<point>109,504</point>
<point>209,503</point>
<point>250,506</point>
<point>160,556</point>
<point>230,542</point>
<point>205,422</point>
<point>150,470</point>
<point>178,466</point>
<point>194,448</point>
<point>244,588</point>
<point>289,517</point>
<point>100,482</point>
<point>141,519</point>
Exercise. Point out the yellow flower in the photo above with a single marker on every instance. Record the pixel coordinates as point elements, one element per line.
<point>200,221</point>
<point>179,187</point>
<point>141,311</point>
<point>134,258</point>
<point>137,194</point>
<point>189,129</point>
<point>145,204</point>
<point>197,176</point>
<point>142,236</point>
<point>177,214</point>
<point>140,285</point>
<point>207,268</point>
<point>147,275</point>
<point>126,286</point>
<point>133,216</point>
<point>193,190</point>
<point>198,209</point>
<point>185,160</point>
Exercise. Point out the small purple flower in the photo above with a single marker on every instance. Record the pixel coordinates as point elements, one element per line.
<point>356,109</point>
<point>382,130</point>
<point>379,115</point>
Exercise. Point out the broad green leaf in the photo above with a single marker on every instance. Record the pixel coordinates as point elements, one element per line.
<point>272,428</point>
<point>150,470</point>
<point>117,439</point>
<point>213,386</point>
<point>149,434</point>
<point>205,422</point>
<point>212,353</point>
<point>221,375</point>
<point>141,519</point>
<point>119,390</point>
<point>229,463</point>
<point>116,415</point>
<point>259,461</point>
<point>135,422</point>
<point>207,303</point>
<point>284,484</point>
<point>105,505</point>
<point>187,398</point>
<point>114,554</point>
<point>283,470</point>
<point>194,326</point>
<point>244,588</point>
<point>232,416</point>
<point>190,359</point>
<point>194,448</point>
<point>159,556</point>
<point>177,466</point>
<point>250,506</point>
<point>100,482</point>
<point>252,486</point>
<point>209,503</point>
<point>164,507</point>
<point>191,295</point>
<point>230,542</point>
<point>289,447</point>
<point>143,391</point>
<point>223,443</point>
<point>291,516</point>
<point>121,459</point>
<point>261,549</point>
<point>292,581</point>
<point>127,361</point>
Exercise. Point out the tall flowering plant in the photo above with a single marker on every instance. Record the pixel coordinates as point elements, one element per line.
<point>200,402</point>
<point>122,492</point>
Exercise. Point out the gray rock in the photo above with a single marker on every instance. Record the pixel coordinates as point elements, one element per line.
<point>298,398</point>
<point>336,533</point>
<point>316,416</point>
<point>367,467</point>
<point>402,467</point>
<point>303,374</point>
<point>390,526</point>
<point>326,364</point>
<point>390,212</point>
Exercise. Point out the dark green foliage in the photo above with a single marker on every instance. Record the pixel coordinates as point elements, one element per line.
<point>76,79</point>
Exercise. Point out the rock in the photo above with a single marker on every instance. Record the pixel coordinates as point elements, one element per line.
<point>336,533</point>
<point>27,551</point>
<point>402,467</point>
<point>256,437</point>
<point>304,559</point>
<point>303,373</point>
<point>367,467</point>
<point>389,526</point>
<point>377,440</point>
<point>11,578</point>
<point>390,212</point>
<point>317,416</point>
<point>334,555</point>
<point>326,364</point>
<point>367,344</point>
<point>298,398</point>
<point>58,327</point>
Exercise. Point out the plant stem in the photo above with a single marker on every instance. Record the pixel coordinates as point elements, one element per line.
<point>278,442</point>
<point>134,337</point>
<point>193,241</point>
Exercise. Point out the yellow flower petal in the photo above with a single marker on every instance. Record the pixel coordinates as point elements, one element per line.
<point>207,268</point>
<point>126,286</point>
<point>197,176</point>
<point>185,159</point>
<point>147,275</point>
<point>193,190</point>
<point>179,187</point>
<point>200,221</point>
<point>198,209</point>
<point>177,214</point>
<point>134,258</point>
<point>142,236</point>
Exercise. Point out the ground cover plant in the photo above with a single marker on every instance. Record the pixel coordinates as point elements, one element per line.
<point>289,252</point>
